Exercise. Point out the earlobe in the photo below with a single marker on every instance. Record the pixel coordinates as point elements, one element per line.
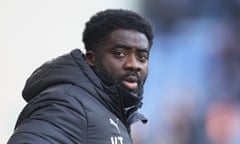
<point>90,57</point>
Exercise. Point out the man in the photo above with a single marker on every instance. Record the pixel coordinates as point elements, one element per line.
<point>92,98</point>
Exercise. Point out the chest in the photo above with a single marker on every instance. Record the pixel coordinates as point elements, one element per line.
<point>103,127</point>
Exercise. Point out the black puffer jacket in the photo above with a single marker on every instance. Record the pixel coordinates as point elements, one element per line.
<point>68,104</point>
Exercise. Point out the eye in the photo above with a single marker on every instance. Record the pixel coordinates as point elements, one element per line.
<point>119,54</point>
<point>143,56</point>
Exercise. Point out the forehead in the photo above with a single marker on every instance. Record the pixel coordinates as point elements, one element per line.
<point>129,37</point>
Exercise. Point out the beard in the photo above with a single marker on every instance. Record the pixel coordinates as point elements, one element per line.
<point>129,97</point>
<point>110,78</point>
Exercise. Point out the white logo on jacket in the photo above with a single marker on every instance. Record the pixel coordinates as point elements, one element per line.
<point>115,124</point>
<point>116,139</point>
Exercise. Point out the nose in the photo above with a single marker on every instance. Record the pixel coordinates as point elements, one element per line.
<point>132,63</point>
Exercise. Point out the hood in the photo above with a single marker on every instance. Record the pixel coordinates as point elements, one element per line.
<point>70,68</point>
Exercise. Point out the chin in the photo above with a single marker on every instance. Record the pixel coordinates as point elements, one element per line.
<point>132,91</point>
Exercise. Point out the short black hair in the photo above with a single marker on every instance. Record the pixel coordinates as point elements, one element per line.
<point>98,28</point>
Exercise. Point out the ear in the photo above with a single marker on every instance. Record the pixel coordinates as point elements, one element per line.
<point>90,57</point>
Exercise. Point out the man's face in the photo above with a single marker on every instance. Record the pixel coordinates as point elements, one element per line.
<point>122,59</point>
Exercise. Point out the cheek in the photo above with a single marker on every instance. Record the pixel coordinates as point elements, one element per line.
<point>144,71</point>
<point>113,74</point>
<point>113,67</point>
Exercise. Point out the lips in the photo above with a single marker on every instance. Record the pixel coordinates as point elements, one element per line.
<point>130,82</point>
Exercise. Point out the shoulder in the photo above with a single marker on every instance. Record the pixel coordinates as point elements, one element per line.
<point>64,95</point>
<point>53,115</point>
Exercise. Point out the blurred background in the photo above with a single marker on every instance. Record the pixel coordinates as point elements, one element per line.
<point>192,95</point>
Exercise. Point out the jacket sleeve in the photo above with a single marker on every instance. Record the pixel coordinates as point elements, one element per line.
<point>51,118</point>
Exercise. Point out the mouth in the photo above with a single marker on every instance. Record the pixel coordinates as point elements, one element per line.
<point>131,83</point>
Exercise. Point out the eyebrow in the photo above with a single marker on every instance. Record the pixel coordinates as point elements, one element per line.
<point>128,48</point>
